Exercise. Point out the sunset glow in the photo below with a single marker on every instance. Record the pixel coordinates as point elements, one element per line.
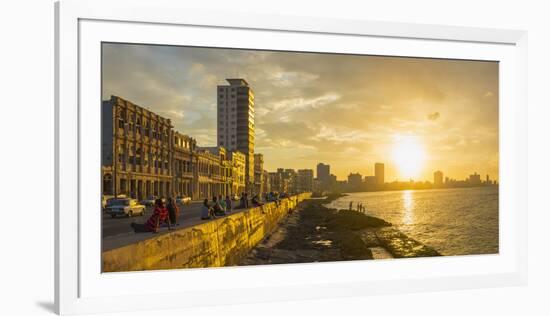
<point>409,156</point>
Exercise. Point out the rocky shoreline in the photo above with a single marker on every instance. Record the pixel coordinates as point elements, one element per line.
<point>315,233</point>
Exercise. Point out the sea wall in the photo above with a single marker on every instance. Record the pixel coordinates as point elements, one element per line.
<point>220,242</point>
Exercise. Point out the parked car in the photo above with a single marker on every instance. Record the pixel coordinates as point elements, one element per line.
<point>183,199</point>
<point>125,207</point>
<point>149,201</point>
<point>106,200</point>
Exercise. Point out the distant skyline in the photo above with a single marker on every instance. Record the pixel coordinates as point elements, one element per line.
<point>414,115</point>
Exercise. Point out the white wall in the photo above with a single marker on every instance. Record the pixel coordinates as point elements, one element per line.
<point>26,67</point>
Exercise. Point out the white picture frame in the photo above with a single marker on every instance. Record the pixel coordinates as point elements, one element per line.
<point>81,288</point>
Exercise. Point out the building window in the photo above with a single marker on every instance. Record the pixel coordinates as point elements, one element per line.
<point>121,120</point>
<point>138,126</point>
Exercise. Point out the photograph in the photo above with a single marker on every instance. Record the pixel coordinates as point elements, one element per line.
<point>221,156</point>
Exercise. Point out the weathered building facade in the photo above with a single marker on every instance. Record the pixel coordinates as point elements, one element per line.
<point>258,173</point>
<point>137,150</point>
<point>238,175</point>
<point>209,176</point>
<point>305,180</point>
<point>184,159</point>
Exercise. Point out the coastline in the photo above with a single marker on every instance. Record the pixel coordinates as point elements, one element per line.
<point>315,233</point>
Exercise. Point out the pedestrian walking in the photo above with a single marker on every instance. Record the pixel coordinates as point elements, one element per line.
<point>173,211</point>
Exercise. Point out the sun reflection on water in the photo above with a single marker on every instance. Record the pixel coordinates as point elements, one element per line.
<point>408,206</point>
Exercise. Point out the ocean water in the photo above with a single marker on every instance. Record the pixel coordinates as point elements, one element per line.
<point>453,221</point>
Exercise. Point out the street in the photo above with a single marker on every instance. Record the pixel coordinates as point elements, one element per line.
<point>117,232</point>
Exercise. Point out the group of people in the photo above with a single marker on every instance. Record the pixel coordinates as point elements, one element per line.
<point>360,207</point>
<point>218,207</point>
<point>162,215</point>
<point>168,214</point>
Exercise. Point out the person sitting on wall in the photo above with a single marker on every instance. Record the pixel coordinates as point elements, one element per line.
<point>228,204</point>
<point>218,210</point>
<point>256,201</point>
<point>276,198</point>
<point>246,201</point>
<point>159,216</point>
<point>222,203</point>
<point>242,203</point>
<point>206,211</point>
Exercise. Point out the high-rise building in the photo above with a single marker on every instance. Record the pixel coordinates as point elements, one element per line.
<point>305,180</point>
<point>370,181</point>
<point>474,179</point>
<point>276,181</point>
<point>379,173</point>
<point>354,181</point>
<point>323,174</point>
<point>291,177</point>
<point>266,184</point>
<point>258,173</point>
<point>236,122</point>
<point>438,178</point>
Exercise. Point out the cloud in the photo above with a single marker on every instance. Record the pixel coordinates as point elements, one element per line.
<point>312,107</point>
<point>433,116</point>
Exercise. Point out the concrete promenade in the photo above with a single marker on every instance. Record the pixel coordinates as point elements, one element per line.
<point>220,242</point>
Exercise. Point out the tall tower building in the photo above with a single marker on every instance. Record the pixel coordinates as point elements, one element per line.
<point>438,178</point>
<point>236,123</point>
<point>323,174</point>
<point>379,173</point>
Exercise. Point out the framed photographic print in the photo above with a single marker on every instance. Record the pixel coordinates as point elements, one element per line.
<point>276,158</point>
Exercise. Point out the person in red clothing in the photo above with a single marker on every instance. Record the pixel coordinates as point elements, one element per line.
<point>159,216</point>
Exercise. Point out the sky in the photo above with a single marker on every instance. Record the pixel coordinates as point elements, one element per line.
<point>415,115</point>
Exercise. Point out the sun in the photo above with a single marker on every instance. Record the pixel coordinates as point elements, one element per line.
<point>409,156</point>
